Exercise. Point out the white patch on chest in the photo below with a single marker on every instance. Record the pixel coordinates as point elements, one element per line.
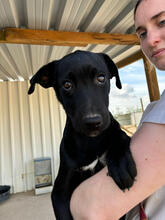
<point>92,165</point>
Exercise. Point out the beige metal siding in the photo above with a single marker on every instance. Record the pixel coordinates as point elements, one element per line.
<point>30,127</point>
<point>103,16</point>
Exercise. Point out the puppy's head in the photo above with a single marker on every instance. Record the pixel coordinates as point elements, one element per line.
<point>81,81</point>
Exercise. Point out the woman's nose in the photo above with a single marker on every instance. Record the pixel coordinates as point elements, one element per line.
<point>153,38</point>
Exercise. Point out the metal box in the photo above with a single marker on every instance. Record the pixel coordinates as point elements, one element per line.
<point>42,172</point>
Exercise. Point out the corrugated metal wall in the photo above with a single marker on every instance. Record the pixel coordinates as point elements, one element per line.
<point>30,127</point>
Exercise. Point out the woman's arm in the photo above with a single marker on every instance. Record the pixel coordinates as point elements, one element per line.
<point>99,198</point>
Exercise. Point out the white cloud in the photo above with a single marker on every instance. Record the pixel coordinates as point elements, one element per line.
<point>134,87</point>
<point>124,100</point>
<point>127,90</point>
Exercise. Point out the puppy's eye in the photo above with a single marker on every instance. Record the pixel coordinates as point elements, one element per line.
<point>67,85</point>
<point>101,78</point>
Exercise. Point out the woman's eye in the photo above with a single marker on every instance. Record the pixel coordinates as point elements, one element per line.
<point>142,35</point>
<point>101,78</point>
<point>162,23</point>
<point>67,85</point>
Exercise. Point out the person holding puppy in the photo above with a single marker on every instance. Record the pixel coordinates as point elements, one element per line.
<point>99,198</point>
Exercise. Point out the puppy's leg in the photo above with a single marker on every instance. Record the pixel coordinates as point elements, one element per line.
<point>67,180</point>
<point>120,163</point>
<point>61,194</point>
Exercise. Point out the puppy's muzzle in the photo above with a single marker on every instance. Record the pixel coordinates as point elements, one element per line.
<point>93,124</point>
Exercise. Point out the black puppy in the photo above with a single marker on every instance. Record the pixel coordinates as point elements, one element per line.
<point>91,136</point>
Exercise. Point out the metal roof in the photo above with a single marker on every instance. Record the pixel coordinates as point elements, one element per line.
<point>19,61</point>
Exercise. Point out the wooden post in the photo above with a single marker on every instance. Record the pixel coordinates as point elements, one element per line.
<point>152,81</point>
<point>141,103</point>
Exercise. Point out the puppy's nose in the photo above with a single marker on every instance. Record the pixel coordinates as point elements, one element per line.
<point>93,121</point>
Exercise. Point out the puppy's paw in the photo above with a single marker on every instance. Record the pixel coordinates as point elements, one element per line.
<point>122,169</point>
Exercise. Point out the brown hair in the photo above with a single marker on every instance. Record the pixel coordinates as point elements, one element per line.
<point>136,6</point>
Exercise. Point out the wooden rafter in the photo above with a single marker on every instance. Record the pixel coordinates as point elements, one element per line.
<point>130,59</point>
<point>64,38</point>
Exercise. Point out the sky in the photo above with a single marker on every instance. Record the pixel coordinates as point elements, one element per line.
<point>134,88</point>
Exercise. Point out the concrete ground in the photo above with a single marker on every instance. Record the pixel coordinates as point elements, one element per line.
<point>27,206</point>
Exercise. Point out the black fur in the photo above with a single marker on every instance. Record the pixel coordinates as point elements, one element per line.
<point>81,81</point>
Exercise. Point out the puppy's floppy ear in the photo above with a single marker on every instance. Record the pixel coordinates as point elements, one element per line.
<point>44,77</point>
<point>112,69</point>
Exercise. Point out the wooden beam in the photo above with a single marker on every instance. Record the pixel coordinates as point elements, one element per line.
<point>128,60</point>
<point>64,38</point>
<point>2,35</point>
<point>152,82</point>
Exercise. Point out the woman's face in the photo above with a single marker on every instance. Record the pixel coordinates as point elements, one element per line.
<point>150,28</point>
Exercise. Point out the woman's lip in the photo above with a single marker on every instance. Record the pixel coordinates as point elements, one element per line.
<point>158,52</point>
